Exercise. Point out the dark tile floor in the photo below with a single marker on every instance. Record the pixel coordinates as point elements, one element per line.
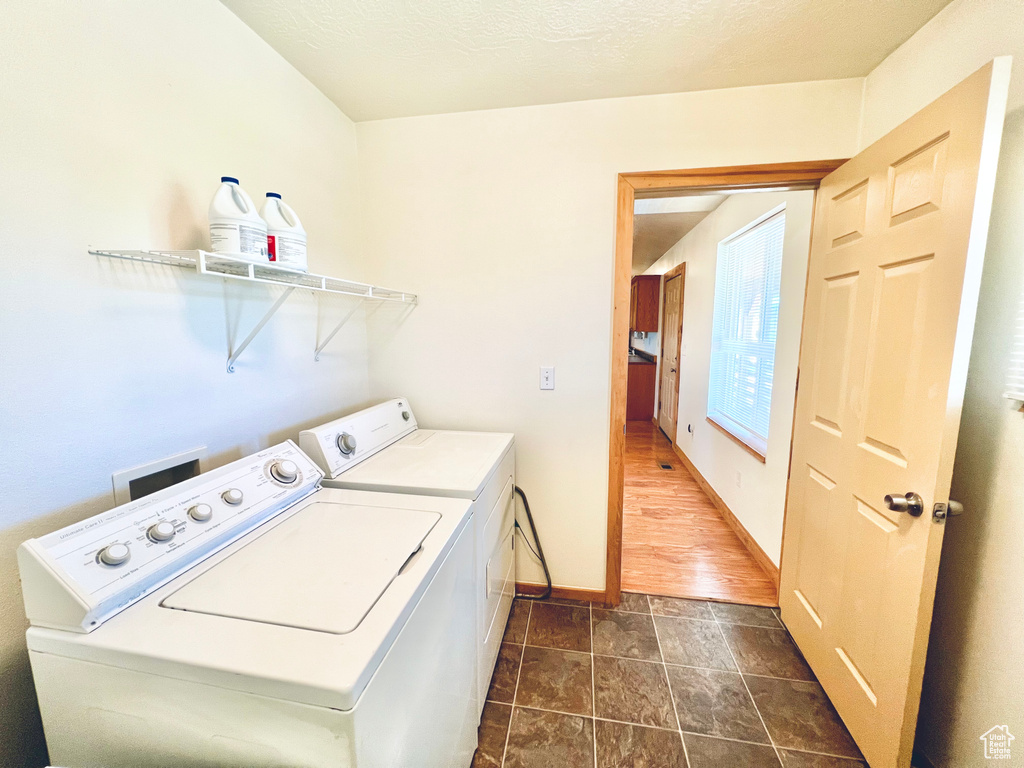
<point>658,682</point>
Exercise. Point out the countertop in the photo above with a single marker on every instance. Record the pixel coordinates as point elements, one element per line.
<point>636,357</point>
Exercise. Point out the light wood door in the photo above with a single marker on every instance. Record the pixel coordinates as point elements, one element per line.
<point>671,335</point>
<point>896,255</point>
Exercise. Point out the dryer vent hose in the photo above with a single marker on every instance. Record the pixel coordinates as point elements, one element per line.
<point>539,551</point>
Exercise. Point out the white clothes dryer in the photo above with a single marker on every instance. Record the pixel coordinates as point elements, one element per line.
<point>383,449</point>
<point>250,617</point>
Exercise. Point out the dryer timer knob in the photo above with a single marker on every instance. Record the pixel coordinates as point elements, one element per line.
<point>160,532</point>
<point>115,554</point>
<point>406,415</point>
<point>200,512</point>
<point>284,471</point>
<point>347,443</point>
<point>232,496</point>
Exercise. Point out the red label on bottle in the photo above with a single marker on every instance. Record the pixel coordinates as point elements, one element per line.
<point>272,247</point>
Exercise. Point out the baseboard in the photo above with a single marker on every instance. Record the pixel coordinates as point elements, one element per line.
<point>759,555</point>
<point>562,593</point>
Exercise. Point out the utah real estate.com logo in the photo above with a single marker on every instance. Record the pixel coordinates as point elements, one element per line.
<point>997,742</point>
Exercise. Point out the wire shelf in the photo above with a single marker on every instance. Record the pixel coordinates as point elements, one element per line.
<point>230,267</point>
<point>219,265</point>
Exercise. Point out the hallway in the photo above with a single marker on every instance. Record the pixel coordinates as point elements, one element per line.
<point>674,541</point>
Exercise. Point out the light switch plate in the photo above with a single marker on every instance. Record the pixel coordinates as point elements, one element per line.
<point>547,377</point>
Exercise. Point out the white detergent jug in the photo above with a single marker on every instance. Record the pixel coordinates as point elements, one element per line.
<point>286,239</point>
<point>236,229</point>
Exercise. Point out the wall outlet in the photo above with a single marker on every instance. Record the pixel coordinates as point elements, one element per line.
<point>739,480</point>
<point>547,377</point>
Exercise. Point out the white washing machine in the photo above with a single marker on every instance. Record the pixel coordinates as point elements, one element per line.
<point>250,617</point>
<point>382,449</point>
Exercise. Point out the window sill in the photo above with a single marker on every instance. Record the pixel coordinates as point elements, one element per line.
<point>739,441</point>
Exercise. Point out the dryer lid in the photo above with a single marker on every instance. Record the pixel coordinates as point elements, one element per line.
<point>431,462</point>
<point>323,569</point>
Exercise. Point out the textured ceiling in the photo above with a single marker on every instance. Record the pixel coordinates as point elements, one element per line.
<point>659,224</point>
<point>391,59</point>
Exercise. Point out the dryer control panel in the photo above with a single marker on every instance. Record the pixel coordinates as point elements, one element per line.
<point>341,444</point>
<point>78,577</point>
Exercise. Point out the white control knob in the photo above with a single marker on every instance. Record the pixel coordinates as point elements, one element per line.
<point>285,471</point>
<point>115,554</point>
<point>162,531</point>
<point>232,496</point>
<point>346,443</point>
<point>200,512</point>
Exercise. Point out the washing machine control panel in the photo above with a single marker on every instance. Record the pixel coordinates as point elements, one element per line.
<point>111,560</point>
<point>341,444</point>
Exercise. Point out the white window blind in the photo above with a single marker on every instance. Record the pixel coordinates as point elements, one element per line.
<point>745,325</point>
<point>1015,376</point>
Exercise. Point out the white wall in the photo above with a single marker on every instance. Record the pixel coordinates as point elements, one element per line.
<point>975,670</point>
<point>759,498</point>
<point>118,120</point>
<point>651,343</point>
<point>504,222</point>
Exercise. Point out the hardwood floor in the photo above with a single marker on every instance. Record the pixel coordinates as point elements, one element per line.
<point>674,540</point>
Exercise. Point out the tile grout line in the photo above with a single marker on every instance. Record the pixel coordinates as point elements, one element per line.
<point>746,687</point>
<point>593,685</point>
<point>691,733</point>
<point>515,690</point>
<point>671,695</point>
<point>654,661</point>
<point>605,719</point>
<point>788,749</point>
<point>664,664</point>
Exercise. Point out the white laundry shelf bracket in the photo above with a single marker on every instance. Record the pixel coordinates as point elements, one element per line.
<point>233,268</point>
<point>233,354</point>
<point>338,327</point>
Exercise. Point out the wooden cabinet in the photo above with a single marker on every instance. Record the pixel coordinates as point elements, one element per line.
<point>640,391</point>
<point>644,298</point>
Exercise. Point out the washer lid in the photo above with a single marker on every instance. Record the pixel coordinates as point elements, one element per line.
<point>323,569</point>
<point>432,463</point>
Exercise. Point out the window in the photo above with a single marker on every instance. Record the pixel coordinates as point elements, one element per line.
<point>743,333</point>
<point>1015,376</point>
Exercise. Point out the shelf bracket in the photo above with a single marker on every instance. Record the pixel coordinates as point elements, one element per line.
<point>259,327</point>
<point>338,327</point>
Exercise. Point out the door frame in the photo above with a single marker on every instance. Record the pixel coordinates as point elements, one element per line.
<point>672,274</point>
<point>798,175</point>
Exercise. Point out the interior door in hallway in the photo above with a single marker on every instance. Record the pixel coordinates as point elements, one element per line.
<point>671,338</point>
<point>896,256</point>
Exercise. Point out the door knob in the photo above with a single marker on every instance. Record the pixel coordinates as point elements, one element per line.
<point>910,503</point>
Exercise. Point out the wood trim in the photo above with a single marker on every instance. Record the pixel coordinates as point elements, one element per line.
<point>734,177</point>
<point>620,371</point>
<point>655,183</point>
<point>736,439</point>
<point>759,555</point>
<point>562,593</point>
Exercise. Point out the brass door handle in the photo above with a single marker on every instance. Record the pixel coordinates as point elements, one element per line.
<point>910,503</point>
